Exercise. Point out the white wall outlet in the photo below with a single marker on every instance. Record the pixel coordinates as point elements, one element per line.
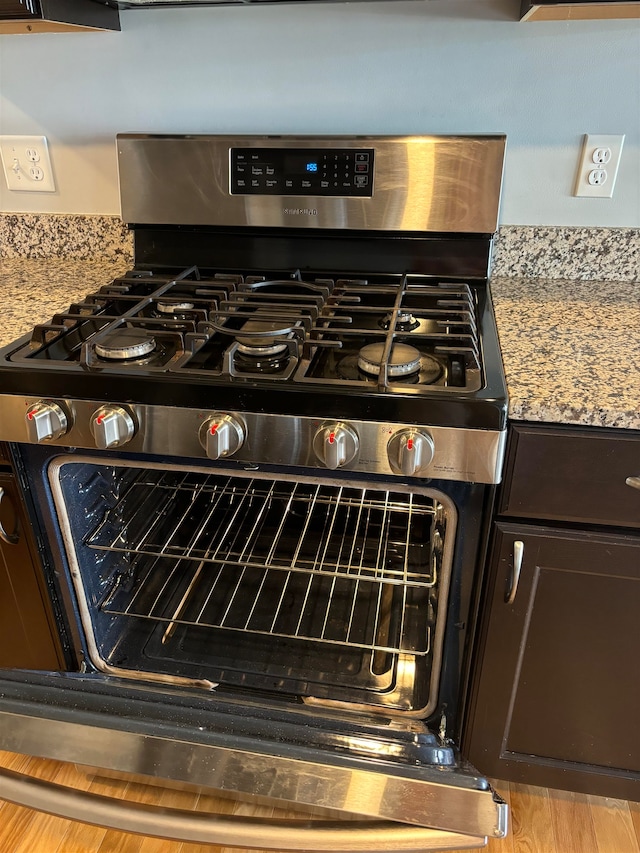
<point>598,165</point>
<point>26,163</point>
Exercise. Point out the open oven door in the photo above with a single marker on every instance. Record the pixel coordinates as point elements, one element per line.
<point>243,750</point>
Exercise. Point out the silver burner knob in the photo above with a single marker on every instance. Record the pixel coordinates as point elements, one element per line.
<point>112,426</point>
<point>46,421</point>
<point>222,435</point>
<point>336,444</point>
<point>410,452</point>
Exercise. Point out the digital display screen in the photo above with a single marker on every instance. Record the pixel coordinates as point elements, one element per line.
<point>346,172</point>
<point>300,164</point>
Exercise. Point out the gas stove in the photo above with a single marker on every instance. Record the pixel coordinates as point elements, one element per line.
<point>300,301</point>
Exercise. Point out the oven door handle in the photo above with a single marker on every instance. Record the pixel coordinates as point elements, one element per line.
<point>9,538</point>
<point>226,830</point>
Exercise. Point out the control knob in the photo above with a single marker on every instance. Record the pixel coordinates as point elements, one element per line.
<point>46,421</point>
<point>336,444</point>
<point>410,452</point>
<point>222,435</point>
<point>112,426</point>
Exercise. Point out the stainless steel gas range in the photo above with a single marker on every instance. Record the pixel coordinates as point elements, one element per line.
<point>260,465</point>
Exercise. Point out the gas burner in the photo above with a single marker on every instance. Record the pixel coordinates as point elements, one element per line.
<point>403,360</point>
<point>173,309</point>
<point>126,345</point>
<point>407,365</point>
<point>260,339</point>
<point>255,364</point>
<point>405,322</point>
<point>259,352</point>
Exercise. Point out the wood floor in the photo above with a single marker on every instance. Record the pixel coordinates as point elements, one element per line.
<point>543,821</point>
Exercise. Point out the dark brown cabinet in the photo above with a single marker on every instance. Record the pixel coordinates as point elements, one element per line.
<point>57,16</point>
<point>26,635</point>
<point>556,699</point>
<point>576,10</point>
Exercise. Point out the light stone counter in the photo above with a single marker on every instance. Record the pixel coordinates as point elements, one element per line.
<point>31,291</point>
<point>571,349</point>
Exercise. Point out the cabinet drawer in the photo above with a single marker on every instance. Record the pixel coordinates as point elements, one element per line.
<point>570,474</point>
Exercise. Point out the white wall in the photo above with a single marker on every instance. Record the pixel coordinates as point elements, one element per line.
<point>420,66</point>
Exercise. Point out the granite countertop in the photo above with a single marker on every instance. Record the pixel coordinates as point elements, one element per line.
<point>571,349</point>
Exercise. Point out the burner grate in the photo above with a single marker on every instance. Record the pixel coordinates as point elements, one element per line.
<point>234,327</point>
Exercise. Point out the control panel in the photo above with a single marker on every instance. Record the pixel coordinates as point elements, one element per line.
<point>253,439</point>
<point>302,171</point>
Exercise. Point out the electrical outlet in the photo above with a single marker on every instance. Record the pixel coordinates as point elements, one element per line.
<point>598,166</point>
<point>26,162</point>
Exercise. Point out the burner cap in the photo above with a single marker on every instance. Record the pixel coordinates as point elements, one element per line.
<point>405,321</point>
<point>174,307</point>
<point>403,359</point>
<point>124,344</point>
<point>265,342</point>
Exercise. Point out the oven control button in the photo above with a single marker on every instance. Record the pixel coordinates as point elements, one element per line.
<point>46,421</point>
<point>112,426</point>
<point>222,435</point>
<point>410,452</point>
<point>336,444</point>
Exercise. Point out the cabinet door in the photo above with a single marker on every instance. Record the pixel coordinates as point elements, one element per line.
<point>557,695</point>
<point>26,638</point>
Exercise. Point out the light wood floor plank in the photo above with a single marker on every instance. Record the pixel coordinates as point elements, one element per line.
<point>531,820</point>
<point>122,842</point>
<point>83,837</point>
<point>613,826</point>
<point>572,823</point>
<point>173,799</point>
<point>634,809</point>
<point>48,831</point>
<point>15,820</point>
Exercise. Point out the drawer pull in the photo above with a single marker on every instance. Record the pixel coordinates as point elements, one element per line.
<point>9,538</point>
<point>518,554</point>
<point>634,482</point>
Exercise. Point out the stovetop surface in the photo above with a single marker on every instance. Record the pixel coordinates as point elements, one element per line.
<point>280,341</point>
<point>381,333</point>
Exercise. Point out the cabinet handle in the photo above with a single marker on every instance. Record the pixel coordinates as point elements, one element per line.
<point>518,554</point>
<point>634,482</point>
<point>9,538</point>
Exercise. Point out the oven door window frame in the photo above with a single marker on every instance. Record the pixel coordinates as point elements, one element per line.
<point>327,555</point>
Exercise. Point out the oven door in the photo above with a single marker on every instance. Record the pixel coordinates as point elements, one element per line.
<point>276,637</point>
<point>240,750</point>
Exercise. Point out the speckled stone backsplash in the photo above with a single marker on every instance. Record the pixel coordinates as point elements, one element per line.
<point>39,235</point>
<point>605,254</point>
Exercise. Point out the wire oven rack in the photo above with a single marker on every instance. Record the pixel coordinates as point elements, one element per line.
<point>341,565</point>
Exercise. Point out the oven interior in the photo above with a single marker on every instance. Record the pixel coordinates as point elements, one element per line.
<point>329,591</point>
